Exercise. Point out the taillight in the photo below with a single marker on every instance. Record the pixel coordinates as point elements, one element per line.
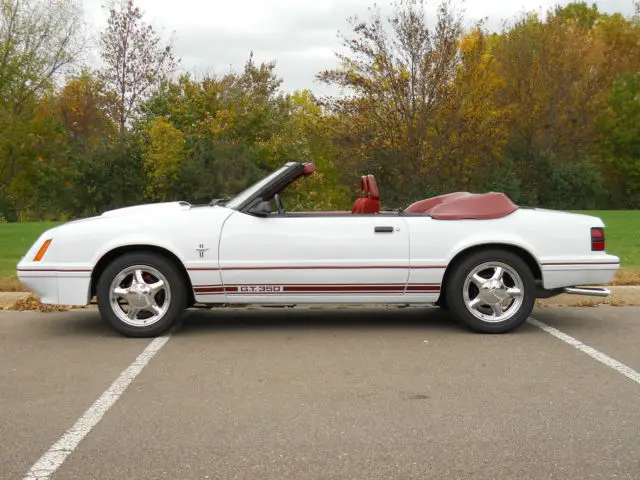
<point>597,239</point>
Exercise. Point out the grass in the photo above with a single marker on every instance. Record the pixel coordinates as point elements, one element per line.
<point>622,231</point>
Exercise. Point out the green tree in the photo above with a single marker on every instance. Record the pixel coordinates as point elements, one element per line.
<point>620,123</point>
<point>229,124</point>
<point>469,131</point>
<point>39,41</point>
<point>585,15</point>
<point>112,176</point>
<point>395,79</point>
<point>161,157</point>
<point>304,137</point>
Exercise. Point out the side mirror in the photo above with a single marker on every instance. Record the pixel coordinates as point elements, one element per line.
<point>261,209</point>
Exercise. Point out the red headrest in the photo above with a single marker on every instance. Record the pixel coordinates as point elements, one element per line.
<point>364,185</point>
<point>373,188</point>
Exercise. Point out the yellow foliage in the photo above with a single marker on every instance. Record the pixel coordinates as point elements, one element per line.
<point>161,157</point>
<point>470,129</point>
<point>83,106</point>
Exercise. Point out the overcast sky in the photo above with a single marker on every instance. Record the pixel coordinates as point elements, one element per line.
<point>301,35</point>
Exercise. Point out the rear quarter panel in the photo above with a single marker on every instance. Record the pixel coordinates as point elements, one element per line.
<point>558,241</point>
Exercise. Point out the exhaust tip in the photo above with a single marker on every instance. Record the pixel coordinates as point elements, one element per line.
<point>592,291</point>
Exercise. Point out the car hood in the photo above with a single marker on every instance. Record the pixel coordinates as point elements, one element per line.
<point>151,209</point>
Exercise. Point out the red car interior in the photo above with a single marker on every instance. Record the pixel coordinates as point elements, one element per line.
<point>452,206</point>
<point>370,200</point>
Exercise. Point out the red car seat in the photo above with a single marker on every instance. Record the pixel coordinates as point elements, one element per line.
<point>370,201</point>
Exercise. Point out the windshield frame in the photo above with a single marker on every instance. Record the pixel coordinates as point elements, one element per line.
<point>265,188</point>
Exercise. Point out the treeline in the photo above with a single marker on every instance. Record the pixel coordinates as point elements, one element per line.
<point>547,111</point>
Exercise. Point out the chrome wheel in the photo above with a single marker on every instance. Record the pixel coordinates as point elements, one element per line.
<point>493,292</point>
<point>140,295</point>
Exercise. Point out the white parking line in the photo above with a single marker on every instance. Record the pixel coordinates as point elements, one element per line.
<point>59,451</point>
<point>625,370</point>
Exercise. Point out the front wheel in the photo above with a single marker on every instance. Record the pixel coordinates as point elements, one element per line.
<point>141,294</point>
<point>491,291</point>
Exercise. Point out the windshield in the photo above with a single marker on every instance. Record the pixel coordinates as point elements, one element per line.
<point>245,194</point>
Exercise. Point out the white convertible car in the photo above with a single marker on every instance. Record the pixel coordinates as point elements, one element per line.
<point>478,255</point>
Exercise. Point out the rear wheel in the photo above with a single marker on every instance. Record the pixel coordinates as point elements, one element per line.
<point>141,294</point>
<point>491,291</point>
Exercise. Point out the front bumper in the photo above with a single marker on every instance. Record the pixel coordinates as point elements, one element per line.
<point>57,286</point>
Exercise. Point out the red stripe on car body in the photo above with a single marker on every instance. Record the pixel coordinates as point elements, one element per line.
<point>582,263</point>
<point>51,270</point>
<point>316,267</point>
<point>316,288</point>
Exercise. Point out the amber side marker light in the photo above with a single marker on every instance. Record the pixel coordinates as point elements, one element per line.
<point>42,251</point>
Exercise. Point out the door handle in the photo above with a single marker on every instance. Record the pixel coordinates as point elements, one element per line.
<point>383,229</point>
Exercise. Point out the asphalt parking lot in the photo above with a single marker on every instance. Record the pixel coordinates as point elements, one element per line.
<point>338,393</point>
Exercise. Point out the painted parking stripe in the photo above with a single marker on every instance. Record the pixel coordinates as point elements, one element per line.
<point>603,358</point>
<point>59,451</point>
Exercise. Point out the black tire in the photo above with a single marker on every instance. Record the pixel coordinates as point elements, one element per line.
<point>456,284</point>
<point>177,299</point>
<point>442,302</point>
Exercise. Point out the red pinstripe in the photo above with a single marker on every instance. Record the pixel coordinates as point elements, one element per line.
<point>316,267</point>
<point>581,263</point>
<point>320,288</point>
<point>51,270</point>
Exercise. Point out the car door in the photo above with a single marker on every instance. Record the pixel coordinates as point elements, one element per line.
<point>314,258</point>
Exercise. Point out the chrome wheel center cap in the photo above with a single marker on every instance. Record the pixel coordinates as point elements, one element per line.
<point>493,291</point>
<point>139,295</point>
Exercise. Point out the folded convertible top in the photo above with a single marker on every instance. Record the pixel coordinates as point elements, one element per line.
<point>465,205</point>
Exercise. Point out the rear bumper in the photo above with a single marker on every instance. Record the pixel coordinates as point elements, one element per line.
<point>579,271</point>
<point>58,287</point>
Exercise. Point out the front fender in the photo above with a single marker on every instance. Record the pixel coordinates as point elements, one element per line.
<point>135,239</point>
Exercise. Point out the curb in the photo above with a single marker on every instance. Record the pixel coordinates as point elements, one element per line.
<point>621,296</point>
